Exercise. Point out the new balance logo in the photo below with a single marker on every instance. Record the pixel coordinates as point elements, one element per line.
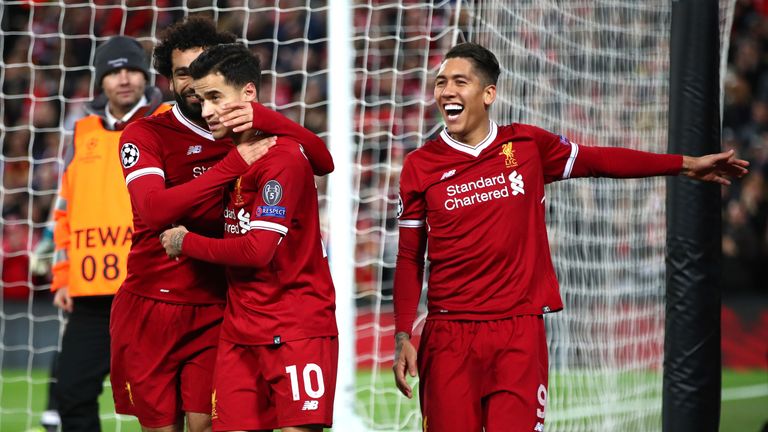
<point>516,183</point>
<point>194,149</point>
<point>310,405</point>
<point>448,174</point>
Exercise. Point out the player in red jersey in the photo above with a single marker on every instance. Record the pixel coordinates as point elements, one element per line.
<point>276,365</point>
<point>476,192</point>
<point>166,316</point>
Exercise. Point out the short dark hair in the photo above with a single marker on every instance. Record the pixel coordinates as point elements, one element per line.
<point>194,32</point>
<point>482,59</point>
<point>236,63</point>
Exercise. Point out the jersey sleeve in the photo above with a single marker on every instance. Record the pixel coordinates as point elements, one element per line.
<point>157,205</point>
<point>617,162</point>
<point>253,250</point>
<point>140,152</point>
<point>412,244</point>
<point>563,159</point>
<point>280,190</point>
<point>314,147</point>
<point>557,153</point>
<point>411,206</point>
<point>409,274</point>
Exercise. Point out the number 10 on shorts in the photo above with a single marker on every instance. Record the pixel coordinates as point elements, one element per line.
<point>309,389</point>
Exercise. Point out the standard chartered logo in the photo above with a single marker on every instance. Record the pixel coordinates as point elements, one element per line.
<point>243,221</point>
<point>484,189</point>
<point>516,183</point>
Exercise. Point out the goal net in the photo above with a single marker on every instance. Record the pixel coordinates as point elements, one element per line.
<point>596,72</point>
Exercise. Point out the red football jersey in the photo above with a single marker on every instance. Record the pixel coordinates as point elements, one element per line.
<point>170,146</point>
<point>293,296</point>
<point>484,213</point>
<point>484,209</point>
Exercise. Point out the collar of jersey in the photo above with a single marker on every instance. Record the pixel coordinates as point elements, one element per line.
<point>191,126</point>
<point>468,149</point>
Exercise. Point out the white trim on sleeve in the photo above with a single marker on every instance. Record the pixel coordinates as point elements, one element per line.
<point>142,172</point>
<point>269,226</point>
<point>411,223</point>
<point>571,160</point>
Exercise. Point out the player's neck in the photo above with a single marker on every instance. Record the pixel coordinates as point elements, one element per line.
<point>249,135</point>
<point>201,122</point>
<point>475,136</point>
<point>238,137</point>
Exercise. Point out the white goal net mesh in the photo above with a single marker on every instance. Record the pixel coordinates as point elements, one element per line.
<point>593,71</point>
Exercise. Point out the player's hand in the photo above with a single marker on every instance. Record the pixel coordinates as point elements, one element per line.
<point>405,360</point>
<point>239,117</point>
<point>172,239</point>
<point>62,299</point>
<point>252,151</point>
<point>715,168</point>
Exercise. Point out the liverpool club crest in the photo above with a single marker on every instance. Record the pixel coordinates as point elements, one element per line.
<point>509,153</point>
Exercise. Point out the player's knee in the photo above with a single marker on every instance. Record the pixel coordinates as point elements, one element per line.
<point>199,422</point>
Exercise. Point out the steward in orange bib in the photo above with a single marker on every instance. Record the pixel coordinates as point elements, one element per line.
<point>93,227</point>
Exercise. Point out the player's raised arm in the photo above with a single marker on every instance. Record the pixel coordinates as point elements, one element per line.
<point>262,223</point>
<point>244,116</point>
<point>159,206</point>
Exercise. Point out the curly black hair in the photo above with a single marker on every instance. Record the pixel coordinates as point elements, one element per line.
<point>234,62</point>
<point>191,33</point>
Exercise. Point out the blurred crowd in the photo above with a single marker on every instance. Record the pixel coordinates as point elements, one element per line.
<point>46,81</point>
<point>745,129</point>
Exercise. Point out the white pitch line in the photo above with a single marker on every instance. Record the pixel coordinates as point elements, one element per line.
<point>746,392</point>
<point>728,394</point>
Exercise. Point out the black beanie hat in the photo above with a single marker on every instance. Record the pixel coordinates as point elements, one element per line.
<point>120,52</point>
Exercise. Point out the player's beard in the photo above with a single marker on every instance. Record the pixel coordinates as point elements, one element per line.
<point>192,111</point>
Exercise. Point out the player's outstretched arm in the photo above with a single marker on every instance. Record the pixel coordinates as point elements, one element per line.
<point>159,206</point>
<point>405,361</point>
<point>253,250</point>
<point>616,162</point>
<point>717,168</point>
<point>253,115</point>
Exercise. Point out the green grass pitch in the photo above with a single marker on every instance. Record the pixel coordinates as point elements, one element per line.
<point>744,407</point>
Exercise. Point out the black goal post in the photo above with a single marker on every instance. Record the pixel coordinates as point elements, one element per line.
<point>692,359</point>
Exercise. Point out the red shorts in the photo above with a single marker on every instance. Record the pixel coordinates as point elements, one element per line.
<point>275,386</point>
<point>163,356</point>
<point>476,374</point>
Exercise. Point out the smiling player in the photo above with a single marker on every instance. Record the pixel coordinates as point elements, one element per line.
<point>476,192</point>
<point>277,358</point>
<point>167,314</point>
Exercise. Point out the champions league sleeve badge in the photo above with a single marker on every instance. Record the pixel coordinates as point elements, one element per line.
<point>272,193</point>
<point>129,155</point>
